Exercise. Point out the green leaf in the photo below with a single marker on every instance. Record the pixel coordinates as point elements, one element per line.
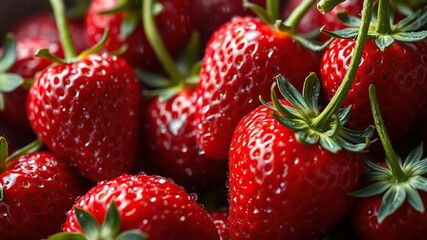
<point>357,135</point>
<point>344,114</point>
<point>419,182</point>
<point>292,123</point>
<point>413,22</point>
<point>9,82</point>
<point>88,223</point>
<point>347,33</point>
<point>152,79</point>
<point>371,190</point>
<point>311,45</point>
<point>111,226</point>
<point>375,167</point>
<point>329,144</point>
<point>291,93</point>
<point>358,147</point>
<point>334,127</point>
<point>132,235</point>
<point>97,47</point>
<point>349,20</point>
<point>307,137</point>
<point>9,53</point>
<point>129,24</point>
<point>414,199</point>
<point>410,36</point>
<point>44,53</point>
<point>391,201</point>
<point>414,156</point>
<point>311,92</point>
<point>419,168</point>
<point>384,41</point>
<point>67,236</point>
<point>375,176</point>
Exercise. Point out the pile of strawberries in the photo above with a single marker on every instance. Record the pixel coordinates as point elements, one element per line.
<point>215,119</point>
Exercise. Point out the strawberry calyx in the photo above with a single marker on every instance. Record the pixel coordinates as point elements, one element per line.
<point>326,127</point>
<point>382,29</point>
<point>271,16</point>
<point>183,73</point>
<point>8,81</point>
<point>109,230</point>
<point>398,181</point>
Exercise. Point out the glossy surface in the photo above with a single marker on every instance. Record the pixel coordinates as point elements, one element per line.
<point>399,74</point>
<point>38,190</point>
<point>153,204</point>
<point>239,65</point>
<point>281,189</point>
<point>88,113</point>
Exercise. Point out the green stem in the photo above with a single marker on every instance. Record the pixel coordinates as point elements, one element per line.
<point>385,140</point>
<point>383,24</point>
<point>156,42</point>
<point>335,104</point>
<point>64,32</point>
<point>30,148</point>
<point>325,6</point>
<point>295,18</point>
<point>272,7</point>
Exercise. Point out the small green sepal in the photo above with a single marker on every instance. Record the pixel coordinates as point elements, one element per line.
<point>8,58</point>
<point>304,109</point>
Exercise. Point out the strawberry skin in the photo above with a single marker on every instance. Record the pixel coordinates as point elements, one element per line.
<point>287,190</point>
<point>152,204</point>
<point>172,145</point>
<point>399,74</point>
<point>38,190</point>
<point>240,62</point>
<point>405,223</point>
<point>88,113</point>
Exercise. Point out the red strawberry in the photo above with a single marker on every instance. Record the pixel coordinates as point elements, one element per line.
<point>241,58</point>
<point>171,136</point>
<point>86,108</point>
<point>174,22</point>
<point>395,66</point>
<point>25,65</point>
<point>36,192</point>
<point>43,26</point>
<point>400,213</point>
<point>291,166</point>
<point>220,219</point>
<point>151,204</point>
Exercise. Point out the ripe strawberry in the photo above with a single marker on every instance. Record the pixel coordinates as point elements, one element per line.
<point>151,204</point>
<point>124,21</point>
<point>291,166</point>
<point>43,26</point>
<point>36,192</point>
<point>24,66</point>
<point>87,110</point>
<point>400,213</point>
<point>241,58</point>
<point>394,60</point>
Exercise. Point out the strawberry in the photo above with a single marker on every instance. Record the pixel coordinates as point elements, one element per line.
<point>169,126</point>
<point>23,66</point>
<point>87,110</point>
<point>43,26</point>
<point>392,207</point>
<point>123,18</point>
<point>242,56</point>
<point>151,205</point>
<point>37,189</point>
<point>291,166</point>
<point>394,60</point>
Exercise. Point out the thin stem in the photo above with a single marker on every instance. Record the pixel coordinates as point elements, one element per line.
<point>383,24</point>
<point>156,42</point>
<point>30,148</point>
<point>295,18</point>
<point>335,104</point>
<point>64,32</point>
<point>385,140</point>
<point>272,7</point>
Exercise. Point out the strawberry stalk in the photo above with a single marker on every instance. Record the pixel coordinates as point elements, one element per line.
<point>149,8</point>
<point>398,181</point>
<point>295,18</point>
<point>325,6</point>
<point>383,24</point>
<point>321,122</point>
<point>64,32</point>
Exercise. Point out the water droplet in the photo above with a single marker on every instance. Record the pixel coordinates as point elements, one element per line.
<point>194,196</point>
